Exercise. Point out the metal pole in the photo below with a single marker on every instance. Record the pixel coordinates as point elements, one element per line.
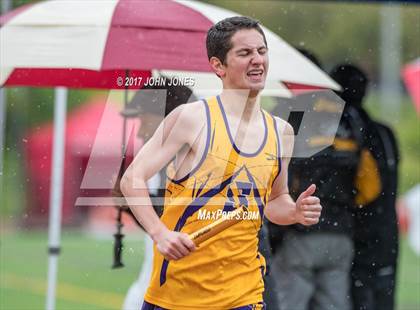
<point>2,134</point>
<point>118,236</point>
<point>390,91</point>
<point>5,7</point>
<point>56,193</point>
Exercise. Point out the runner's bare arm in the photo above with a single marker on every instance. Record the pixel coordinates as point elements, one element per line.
<point>176,131</point>
<point>281,209</point>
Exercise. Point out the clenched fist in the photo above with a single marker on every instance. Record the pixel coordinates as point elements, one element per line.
<point>308,207</point>
<point>174,245</point>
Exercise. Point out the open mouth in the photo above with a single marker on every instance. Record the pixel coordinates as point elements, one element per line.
<point>255,74</point>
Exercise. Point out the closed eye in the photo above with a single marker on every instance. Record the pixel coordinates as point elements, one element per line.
<point>243,53</point>
<point>246,52</point>
<point>262,50</point>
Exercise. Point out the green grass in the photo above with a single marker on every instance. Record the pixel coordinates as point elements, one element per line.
<point>84,266</point>
<point>408,289</point>
<point>84,272</point>
<point>12,201</point>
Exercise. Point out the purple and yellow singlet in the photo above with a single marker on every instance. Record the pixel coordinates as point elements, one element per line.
<point>226,271</point>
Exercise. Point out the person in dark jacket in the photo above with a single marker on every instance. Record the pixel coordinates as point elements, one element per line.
<point>375,228</point>
<point>313,265</point>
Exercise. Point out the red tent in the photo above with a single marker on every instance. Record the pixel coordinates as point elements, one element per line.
<point>81,135</point>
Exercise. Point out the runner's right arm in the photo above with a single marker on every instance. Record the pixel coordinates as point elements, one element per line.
<point>173,133</point>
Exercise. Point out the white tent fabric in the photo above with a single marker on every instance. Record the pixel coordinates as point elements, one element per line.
<point>56,34</point>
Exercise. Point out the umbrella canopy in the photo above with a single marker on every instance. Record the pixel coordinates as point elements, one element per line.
<point>411,76</point>
<point>92,43</point>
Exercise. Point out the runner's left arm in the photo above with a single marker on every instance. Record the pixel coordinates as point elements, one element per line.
<point>281,209</point>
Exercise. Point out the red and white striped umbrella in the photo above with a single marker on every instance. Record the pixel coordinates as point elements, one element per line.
<point>92,43</point>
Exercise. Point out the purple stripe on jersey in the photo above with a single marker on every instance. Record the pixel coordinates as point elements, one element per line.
<point>199,202</point>
<point>205,150</point>
<point>260,305</point>
<point>232,141</point>
<point>193,207</point>
<point>257,195</point>
<point>149,306</point>
<point>278,147</point>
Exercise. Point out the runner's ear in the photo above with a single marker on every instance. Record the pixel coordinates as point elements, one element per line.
<point>217,67</point>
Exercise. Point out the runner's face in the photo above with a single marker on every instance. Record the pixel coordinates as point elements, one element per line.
<point>247,61</point>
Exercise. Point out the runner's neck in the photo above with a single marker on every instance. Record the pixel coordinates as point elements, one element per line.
<point>239,104</point>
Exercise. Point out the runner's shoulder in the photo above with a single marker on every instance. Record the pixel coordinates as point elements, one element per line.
<point>193,113</point>
<point>283,127</point>
<point>188,117</point>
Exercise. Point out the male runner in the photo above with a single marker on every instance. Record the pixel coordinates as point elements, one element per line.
<point>228,153</point>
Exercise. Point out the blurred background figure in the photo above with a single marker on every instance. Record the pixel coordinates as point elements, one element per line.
<point>270,279</point>
<point>151,105</point>
<point>313,265</point>
<point>376,231</point>
<point>376,227</point>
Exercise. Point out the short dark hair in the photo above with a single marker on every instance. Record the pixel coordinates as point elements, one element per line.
<point>219,36</point>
